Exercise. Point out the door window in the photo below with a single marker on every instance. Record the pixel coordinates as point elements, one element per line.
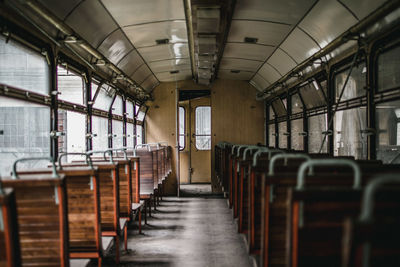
<point>203,128</point>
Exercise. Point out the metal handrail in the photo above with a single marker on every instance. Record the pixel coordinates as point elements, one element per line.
<point>15,176</point>
<point>328,162</point>
<point>88,159</point>
<point>368,204</point>
<point>265,150</point>
<point>110,151</point>
<point>249,148</point>
<point>143,145</point>
<point>285,157</point>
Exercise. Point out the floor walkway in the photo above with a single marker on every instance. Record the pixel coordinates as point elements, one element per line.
<point>189,232</point>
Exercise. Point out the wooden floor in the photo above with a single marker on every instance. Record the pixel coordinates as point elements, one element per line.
<point>188,231</point>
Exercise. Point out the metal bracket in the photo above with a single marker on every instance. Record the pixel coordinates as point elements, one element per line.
<point>56,134</point>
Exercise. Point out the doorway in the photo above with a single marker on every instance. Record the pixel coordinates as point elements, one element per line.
<point>195,142</point>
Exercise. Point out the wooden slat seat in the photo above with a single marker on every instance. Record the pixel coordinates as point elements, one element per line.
<point>42,218</point>
<point>10,254</point>
<point>146,177</point>
<point>83,200</point>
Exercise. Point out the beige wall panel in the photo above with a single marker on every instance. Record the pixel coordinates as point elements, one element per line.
<point>235,117</point>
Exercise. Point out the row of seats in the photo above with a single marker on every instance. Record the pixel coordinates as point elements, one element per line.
<point>70,213</point>
<point>298,209</point>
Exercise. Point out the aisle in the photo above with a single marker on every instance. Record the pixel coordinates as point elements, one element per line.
<point>188,232</point>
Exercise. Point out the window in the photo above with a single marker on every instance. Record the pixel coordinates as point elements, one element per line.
<point>73,125</point>
<point>25,133</point>
<point>388,69</point>
<point>141,113</point>
<point>70,86</point>
<point>271,113</point>
<point>129,134</point>
<point>348,137</point>
<point>203,128</point>
<point>100,133</point>
<point>355,86</point>
<point>388,132</point>
<point>104,97</point>
<point>117,106</point>
<point>182,132</point>
<point>279,107</point>
<point>282,127</point>
<point>296,126</point>
<point>22,68</point>
<point>313,95</point>
<point>118,134</point>
<point>129,110</point>
<point>317,125</point>
<point>271,135</point>
<point>139,134</point>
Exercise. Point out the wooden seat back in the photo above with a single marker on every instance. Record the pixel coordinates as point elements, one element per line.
<point>83,202</point>
<point>146,171</point>
<point>10,254</point>
<point>42,219</point>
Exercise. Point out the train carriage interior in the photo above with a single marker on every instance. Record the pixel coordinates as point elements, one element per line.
<point>200,133</point>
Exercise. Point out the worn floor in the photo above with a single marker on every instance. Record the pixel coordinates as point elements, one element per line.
<point>187,231</point>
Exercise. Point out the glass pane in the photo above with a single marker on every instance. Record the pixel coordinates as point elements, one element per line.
<point>271,135</point>
<point>317,125</point>
<point>181,128</point>
<point>355,86</point>
<point>388,132</point>
<point>129,134</point>
<point>129,110</point>
<point>271,113</point>
<point>282,126</point>
<point>296,139</point>
<point>73,125</point>
<point>203,128</point>
<point>312,95</point>
<point>117,106</point>
<point>70,85</point>
<point>141,113</point>
<point>139,134</point>
<point>26,133</point>
<point>118,134</point>
<point>23,68</point>
<point>104,97</point>
<point>348,139</point>
<point>389,69</point>
<point>100,132</point>
<point>279,107</point>
<point>297,106</point>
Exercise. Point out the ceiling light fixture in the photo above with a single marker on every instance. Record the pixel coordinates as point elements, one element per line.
<point>250,40</point>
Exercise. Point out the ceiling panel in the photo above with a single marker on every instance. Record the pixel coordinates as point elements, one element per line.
<point>269,73</point>
<point>362,8</point>
<point>228,75</point>
<point>147,34</point>
<point>240,64</point>
<point>60,8</point>
<point>299,45</point>
<point>326,21</point>
<point>168,77</point>
<point>290,11</point>
<point>128,12</point>
<point>115,46</point>
<point>98,24</point>
<point>141,74</point>
<point>248,51</point>
<point>267,33</point>
<point>259,82</point>
<point>171,64</point>
<point>282,62</point>
<point>149,83</point>
<point>130,62</point>
<point>162,52</point>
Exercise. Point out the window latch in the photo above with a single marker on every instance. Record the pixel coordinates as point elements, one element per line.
<point>56,134</point>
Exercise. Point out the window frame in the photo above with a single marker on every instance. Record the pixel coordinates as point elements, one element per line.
<point>182,148</point>
<point>195,120</point>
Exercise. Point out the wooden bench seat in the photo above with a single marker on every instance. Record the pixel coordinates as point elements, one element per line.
<point>10,254</point>
<point>42,218</point>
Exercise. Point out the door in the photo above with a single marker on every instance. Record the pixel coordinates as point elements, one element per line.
<point>200,140</point>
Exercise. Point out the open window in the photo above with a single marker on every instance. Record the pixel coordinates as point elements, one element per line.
<point>103,96</point>
<point>313,94</point>
<point>141,113</point>
<point>296,125</point>
<point>117,107</point>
